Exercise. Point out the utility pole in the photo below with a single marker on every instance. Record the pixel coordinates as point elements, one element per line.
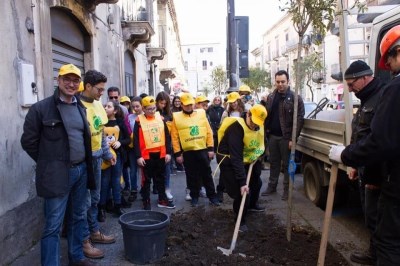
<point>232,64</point>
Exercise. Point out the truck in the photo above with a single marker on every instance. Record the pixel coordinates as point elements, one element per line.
<point>334,127</point>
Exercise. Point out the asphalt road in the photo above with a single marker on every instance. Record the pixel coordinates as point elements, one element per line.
<point>347,230</point>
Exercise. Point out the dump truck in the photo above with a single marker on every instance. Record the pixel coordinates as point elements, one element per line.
<point>334,127</point>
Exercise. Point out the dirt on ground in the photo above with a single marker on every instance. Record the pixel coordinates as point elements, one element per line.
<point>193,238</point>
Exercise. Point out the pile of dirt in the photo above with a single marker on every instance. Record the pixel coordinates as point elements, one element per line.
<point>194,236</point>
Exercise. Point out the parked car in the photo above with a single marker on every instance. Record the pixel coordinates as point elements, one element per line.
<point>309,107</point>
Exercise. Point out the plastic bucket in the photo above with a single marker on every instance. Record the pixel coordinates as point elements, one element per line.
<point>144,234</point>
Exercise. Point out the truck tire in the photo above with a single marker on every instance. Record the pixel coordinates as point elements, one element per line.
<point>312,185</point>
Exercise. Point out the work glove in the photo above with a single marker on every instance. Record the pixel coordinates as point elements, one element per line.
<point>335,153</point>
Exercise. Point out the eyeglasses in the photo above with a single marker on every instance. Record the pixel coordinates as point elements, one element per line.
<point>99,89</point>
<point>352,83</point>
<point>68,81</point>
<point>150,109</point>
<point>113,97</point>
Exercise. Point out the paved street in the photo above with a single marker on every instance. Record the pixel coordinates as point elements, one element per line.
<point>347,231</point>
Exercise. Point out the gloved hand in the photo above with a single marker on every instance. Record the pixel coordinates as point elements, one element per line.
<point>335,152</point>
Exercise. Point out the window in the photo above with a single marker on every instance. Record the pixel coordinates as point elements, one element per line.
<point>202,50</point>
<point>211,63</point>
<point>188,50</point>
<point>210,49</point>
<point>186,66</point>
<point>204,64</point>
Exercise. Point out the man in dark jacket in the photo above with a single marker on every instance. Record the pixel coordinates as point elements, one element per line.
<point>278,128</point>
<point>57,137</point>
<point>367,88</point>
<point>382,145</point>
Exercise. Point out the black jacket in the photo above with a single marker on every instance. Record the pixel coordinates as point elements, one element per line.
<point>361,127</point>
<point>382,144</point>
<point>46,142</point>
<point>285,112</point>
<point>214,113</point>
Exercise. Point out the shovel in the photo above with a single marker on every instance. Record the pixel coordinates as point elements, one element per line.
<point>229,251</point>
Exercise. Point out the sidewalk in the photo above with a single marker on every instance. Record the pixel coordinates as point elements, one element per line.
<point>347,232</point>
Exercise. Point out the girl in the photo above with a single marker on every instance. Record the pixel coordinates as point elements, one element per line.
<point>163,107</point>
<point>117,137</point>
<point>176,104</point>
<point>133,168</point>
<point>235,106</point>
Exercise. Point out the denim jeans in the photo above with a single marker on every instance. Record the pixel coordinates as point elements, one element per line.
<point>110,178</point>
<point>92,200</point>
<point>74,203</point>
<point>133,169</point>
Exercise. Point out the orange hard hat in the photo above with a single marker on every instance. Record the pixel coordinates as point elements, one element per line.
<point>389,39</point>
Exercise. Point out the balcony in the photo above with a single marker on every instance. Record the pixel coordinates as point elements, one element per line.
<point>91,4</point>
<point>154,54</point>
<point>137,32</point>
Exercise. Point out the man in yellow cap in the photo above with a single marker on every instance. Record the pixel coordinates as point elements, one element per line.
<point>57,137</point>
<point>192,140</point>
<point>153,151</point>
<point>245,95</point>
<point>201,102</point>
<point>93,88</point>
<point>242,142</point>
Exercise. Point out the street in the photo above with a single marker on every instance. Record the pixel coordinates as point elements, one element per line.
<point>347,230</point>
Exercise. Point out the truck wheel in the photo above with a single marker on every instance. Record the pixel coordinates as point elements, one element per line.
<point>312,185</point>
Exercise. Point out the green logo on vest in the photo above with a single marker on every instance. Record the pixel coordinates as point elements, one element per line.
<point>194,130</point>
<point>96,122</point>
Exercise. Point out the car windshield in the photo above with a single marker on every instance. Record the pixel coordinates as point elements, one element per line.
<point>309,107</point>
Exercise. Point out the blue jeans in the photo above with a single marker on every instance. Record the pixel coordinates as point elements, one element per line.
<point>133,169</point>
<point>54,209</point>
<point>111,176</point>
<point>92,200</point>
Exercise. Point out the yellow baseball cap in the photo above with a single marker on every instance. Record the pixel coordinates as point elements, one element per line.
<point>124,99</point>
<point>244,88</point>
<point>81,88</point>
<point>187,98</point>
<point>233,97</point>
<point>201,98</point>
<point>258,114</point>
<point>148,100</point>
<point>69,69</point>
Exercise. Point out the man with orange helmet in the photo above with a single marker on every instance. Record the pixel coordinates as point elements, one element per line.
<point>382,145</point>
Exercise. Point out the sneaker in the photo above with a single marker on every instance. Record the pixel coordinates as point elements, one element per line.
<point>363,257</point>
<point>214,202</point>
<point>194,202</point>
<point>203,192</point>
<point>169,195</point>
<point>243,228</point>
<point>101,238</point>
<point>256,208</point>
<point>90,251</point>
<point>146,205</point>
<point>132,196</point>
<point>220,196</point>
<point>187,197</point>
<point>268,191</point>
<point>166,204</point>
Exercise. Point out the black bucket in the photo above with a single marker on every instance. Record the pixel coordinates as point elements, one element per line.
<point>144,234</point>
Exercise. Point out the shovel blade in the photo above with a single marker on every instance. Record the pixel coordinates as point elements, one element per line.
<point>225,251</point>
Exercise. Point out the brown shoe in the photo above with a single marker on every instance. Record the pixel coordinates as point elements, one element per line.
<point>101,238</point>
<point>90,251</point>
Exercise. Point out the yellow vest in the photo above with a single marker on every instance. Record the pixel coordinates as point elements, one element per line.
<point>97,118</point>
<point>192,130</point>
<point>253,140</point>
<point>153,131</point>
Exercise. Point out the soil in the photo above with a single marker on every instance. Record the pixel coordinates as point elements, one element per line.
<point>194,236</point>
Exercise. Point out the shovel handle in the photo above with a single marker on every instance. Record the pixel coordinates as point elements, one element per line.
<point>239,217</point>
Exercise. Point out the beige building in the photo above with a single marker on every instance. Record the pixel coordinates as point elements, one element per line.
<point>134,43</point>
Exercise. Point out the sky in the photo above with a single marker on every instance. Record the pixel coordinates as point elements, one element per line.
<point>202,21</point>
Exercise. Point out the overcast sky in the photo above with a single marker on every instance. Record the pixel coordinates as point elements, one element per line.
<point>202,21</point>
